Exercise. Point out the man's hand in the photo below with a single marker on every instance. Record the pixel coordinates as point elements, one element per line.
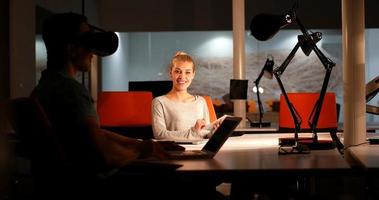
<point>150,148</point>
<point>171,146</point>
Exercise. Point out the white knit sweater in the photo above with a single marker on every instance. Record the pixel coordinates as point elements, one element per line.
<point>176,120</point>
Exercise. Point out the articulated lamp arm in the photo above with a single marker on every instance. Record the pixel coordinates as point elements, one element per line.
<point>308,39</point>
<point>328,65</point>
<point>256,82</point>
<point>266,71</point>
<point>277,73</point>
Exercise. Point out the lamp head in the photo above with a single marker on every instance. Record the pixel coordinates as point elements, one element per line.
<point>307,44</point>
<point>264,26</point>
<point>268,68</point>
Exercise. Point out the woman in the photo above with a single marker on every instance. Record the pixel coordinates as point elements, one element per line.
<point>179,114</point>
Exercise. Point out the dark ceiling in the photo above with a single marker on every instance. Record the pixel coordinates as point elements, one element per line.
<point>200,15</point>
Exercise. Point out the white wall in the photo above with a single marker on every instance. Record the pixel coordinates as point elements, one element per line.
<point>115,67</point>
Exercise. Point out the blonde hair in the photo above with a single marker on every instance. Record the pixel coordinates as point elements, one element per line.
<point>181,56</point>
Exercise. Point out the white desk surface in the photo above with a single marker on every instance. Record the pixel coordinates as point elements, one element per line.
<point>273,128</point>
<point>257,153</point>
<point>257,129</point>
<point>366,155</point>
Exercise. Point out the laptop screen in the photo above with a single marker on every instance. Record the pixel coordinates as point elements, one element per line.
<point>222,133</point>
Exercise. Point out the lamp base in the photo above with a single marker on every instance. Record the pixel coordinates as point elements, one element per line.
<point>260,124</point>
<point>290,141</point>
<point>308,141</point>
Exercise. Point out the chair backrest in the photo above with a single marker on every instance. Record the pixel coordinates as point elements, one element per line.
<point>36,135</point>
<point>211,109</point>
<point>127,108</point>
<point>303,103</point>
<point>53,176</point>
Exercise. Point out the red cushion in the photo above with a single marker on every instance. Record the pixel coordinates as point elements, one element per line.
<point>303,103</point>
<point>124,108</point>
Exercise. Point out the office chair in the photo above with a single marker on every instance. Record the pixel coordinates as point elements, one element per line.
<point>35,134</point>
<point>39,144</point>
<point>126,112</point>
<point>53,175</point>
<point>303,104</point>
<point>211,109</point>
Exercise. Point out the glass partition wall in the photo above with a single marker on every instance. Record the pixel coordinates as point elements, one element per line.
<point>144,56</point>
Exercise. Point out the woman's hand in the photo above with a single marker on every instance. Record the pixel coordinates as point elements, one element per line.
<point>200,123</point>
<point>217,123</point>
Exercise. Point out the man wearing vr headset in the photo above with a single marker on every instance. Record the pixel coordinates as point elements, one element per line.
<point>71,43</point>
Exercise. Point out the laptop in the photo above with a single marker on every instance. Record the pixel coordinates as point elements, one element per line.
<point>214,143</point>
<point>194,141</point>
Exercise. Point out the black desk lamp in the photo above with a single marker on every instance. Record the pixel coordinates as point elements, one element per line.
<point>266,72</point>
<point>264,27</point>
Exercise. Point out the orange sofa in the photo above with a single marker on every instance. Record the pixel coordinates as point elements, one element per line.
<point>129,112</point>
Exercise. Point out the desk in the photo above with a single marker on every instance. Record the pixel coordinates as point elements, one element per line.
<point>271,129</point>
<point>252,158</point>
<point>254,154</point>
<point>365,156</point>
<point>371,127</point>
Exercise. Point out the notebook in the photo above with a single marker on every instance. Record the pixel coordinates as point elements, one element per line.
<point>214,143</point>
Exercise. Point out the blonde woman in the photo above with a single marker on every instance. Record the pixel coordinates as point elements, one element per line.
<point>179,114</point>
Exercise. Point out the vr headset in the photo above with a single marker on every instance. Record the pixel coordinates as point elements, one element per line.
<point>99,41</point>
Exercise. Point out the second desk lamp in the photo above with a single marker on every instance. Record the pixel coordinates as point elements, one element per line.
<point>266,72</point>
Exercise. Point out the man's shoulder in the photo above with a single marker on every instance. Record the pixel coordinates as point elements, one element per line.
<point>57,79</point>
<point>58,87</point>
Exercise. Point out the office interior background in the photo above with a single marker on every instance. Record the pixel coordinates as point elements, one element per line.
<point>151,32</point>
<point>201,28</point>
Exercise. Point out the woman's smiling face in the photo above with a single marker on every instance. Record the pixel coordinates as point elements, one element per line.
<point>182,74</point>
